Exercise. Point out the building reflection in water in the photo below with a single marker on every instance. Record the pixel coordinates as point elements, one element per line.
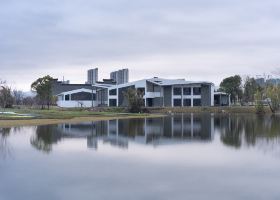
<point>234,130</point>
<point>154,131</point>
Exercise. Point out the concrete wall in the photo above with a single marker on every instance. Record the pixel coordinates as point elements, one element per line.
<point>157,102</point>
<point>76,104</point>
<point>205,95</point>
<point>167,96</point>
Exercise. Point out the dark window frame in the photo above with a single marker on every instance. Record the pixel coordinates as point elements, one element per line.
<point>67,97</point>
<point>113,92</point>
<point>187,91</point>
<point>187,102</point>
<point>197,102</point>
<point>197,91</point>
<point>177,91</point>
<point>176,102</point>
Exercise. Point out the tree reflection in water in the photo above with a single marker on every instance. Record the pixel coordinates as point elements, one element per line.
<point>234,130</point>
<point>45,137</point>
<point>237,130</point>
<point>5,149</point>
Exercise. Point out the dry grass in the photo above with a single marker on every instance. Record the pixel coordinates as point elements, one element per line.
<point>34,122</point>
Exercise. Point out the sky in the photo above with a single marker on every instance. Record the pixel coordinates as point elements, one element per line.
<point>199,40</point>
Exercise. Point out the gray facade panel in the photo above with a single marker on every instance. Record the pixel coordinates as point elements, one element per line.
<point>58,88</point>
<point>158,102</point>
<point>205,95</point>
<point>167,95</point>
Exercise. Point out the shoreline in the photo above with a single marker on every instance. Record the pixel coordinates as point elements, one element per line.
<point>7,123</point>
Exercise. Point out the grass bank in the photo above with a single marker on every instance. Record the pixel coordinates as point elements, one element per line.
<point>31,117</point>
<point>232,109</point>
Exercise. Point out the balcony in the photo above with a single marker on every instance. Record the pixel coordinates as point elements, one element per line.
<point>152,94</point>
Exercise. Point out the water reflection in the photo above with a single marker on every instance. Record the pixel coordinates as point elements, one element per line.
<point>237,130</point>
<point>5,148</point>
<point>150,131</point>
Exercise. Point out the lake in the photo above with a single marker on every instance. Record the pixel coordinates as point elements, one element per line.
<point>184,156</point>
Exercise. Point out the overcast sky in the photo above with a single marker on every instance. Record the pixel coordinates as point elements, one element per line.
<point>192,39</point>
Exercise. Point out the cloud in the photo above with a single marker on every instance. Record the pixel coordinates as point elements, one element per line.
<point>191,38</point>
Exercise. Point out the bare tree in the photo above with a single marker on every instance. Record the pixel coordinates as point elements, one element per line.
<point>18,97</point>
<point>6,98</point>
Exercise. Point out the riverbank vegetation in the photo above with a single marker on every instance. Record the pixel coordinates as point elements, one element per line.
<point>250,92</point>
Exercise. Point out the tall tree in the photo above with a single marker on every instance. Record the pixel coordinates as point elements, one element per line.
<point>6,98</point>
<point>273,94</point>
<point>18,96</point>
<point>250,89</point>
<point>43,87</point>
<point>135,100</point>
<point>232,86</point>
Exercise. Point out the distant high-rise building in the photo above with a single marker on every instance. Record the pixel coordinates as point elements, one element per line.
<point>121,76</point>
<point>92,76</point>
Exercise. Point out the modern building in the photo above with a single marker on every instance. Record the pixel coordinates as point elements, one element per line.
<point>81,95</point>
<point>222,99</point>
<point>92,76</point>
<point>270,81</point>
<point>160,92</point>
<point>121,76</point>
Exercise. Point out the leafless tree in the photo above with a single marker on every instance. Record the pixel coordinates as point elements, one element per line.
<point>18,97</point>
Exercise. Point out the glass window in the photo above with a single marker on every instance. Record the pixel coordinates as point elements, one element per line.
<point>67,97</point>
<point>113,102</point>
<point>177,91</point>
<point>197,102</point>
<point>187,102</point>
<point>187,91</point>
<point>83,96</point>
<point>197,91</point>
<point>113,92</point>
<point>177,102</point>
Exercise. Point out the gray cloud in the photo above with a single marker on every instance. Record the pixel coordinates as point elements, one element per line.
<point>196,39</point>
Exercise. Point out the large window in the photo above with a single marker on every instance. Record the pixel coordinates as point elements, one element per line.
<point>187,102</point>
<point>113,102</point>
<point>67,97</point>
<point>187,91</point>
<point>197,102</point>
<point>197,91</point>
<point>177,91</point>
<point>113,92</point>
<point>177,102</point>
<point>83,96</point>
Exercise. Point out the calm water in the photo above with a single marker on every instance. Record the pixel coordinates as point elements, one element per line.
<point>178,157</point>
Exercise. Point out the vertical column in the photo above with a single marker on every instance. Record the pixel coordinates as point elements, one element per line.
<point>182,99</point>
<point>182,125</point>
<point>117,103</point>
<point>191,96</point>
<point>192,125</point>
<point>172,102</point>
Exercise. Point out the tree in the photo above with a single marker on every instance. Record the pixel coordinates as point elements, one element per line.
<point>28,101</point>
<point>250,89</point>
<point>43,87</point>
<point>135,100</point>
<point>259,102</point>
<point>273,94</point>
<point>6,98</point>
<point>232,86</point>
<point>18,96</point>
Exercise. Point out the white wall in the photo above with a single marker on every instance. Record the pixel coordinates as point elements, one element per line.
<point>76,104</point>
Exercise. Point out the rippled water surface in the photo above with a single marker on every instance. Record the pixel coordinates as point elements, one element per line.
<point>191,156</point>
